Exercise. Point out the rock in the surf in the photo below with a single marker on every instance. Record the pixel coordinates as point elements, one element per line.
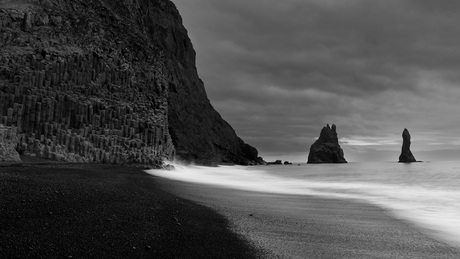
<point>326,149</point>
<point>406,155</point>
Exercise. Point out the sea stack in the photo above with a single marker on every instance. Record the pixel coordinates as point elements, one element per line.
<point>326,149</point>
<point>406,155</point>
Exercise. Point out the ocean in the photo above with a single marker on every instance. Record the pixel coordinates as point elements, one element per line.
<point>426,194</point>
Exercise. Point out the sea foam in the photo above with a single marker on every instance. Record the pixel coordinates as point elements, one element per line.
<point>422,194</point>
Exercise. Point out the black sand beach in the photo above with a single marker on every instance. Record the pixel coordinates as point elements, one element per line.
<point>52,210</point>
<point>312,227</point>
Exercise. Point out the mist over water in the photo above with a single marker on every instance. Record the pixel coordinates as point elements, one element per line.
<point>426,194</point>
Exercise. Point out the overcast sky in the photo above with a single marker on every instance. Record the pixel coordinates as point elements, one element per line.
<point>278,71</point>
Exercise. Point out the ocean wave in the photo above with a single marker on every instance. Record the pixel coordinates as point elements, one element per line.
<point>436,208</point>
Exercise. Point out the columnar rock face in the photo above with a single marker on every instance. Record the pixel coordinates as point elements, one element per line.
<point>106,81</point>
<point>406,155</point>
<point>8,142</point>
<point>326,149</point>
<point>83,81</point>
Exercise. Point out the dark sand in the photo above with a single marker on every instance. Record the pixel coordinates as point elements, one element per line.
<point>53,210</point>
<point>311,227</point>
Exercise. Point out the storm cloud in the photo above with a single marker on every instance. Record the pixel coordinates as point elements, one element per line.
<point>278,71</point>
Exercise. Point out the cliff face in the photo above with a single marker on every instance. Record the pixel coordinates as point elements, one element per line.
<point>198,131</point>
<point>106,81</point>
<point>326,149</point>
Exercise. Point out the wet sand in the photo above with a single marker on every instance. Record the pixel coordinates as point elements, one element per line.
<point>289,226</point>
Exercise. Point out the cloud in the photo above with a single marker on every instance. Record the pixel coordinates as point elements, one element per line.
<point>278,71</point>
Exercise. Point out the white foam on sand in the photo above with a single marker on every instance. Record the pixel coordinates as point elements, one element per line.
<point>437,211</point>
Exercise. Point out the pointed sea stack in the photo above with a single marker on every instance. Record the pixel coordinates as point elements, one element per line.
<point>406,155</point>
<point>326,149</point>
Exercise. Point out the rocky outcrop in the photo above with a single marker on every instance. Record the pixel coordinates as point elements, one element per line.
<point>406,155</point>
<point>326,148</point>
<point>8,142</point>
<point>107,81</point>
<point>277,162</point>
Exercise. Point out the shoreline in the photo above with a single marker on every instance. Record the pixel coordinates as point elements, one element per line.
<point>67,210</point>
<point>290,226</point>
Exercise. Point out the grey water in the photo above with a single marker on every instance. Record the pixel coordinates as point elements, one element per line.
<point>426,194</point>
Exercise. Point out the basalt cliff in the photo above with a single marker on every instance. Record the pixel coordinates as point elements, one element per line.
<point>326,148</point>
<point>110,81</point>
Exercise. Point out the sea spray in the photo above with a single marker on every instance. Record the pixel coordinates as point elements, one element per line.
<point>425,194</point>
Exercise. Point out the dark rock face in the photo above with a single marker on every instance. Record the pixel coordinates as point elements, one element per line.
<point>198,131</point>
<point>85,81</point>
<point>107,81</point>
<point>406,155</point>
<point>326,149</point>
<point>261,161</point>
<point>8,142</point>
